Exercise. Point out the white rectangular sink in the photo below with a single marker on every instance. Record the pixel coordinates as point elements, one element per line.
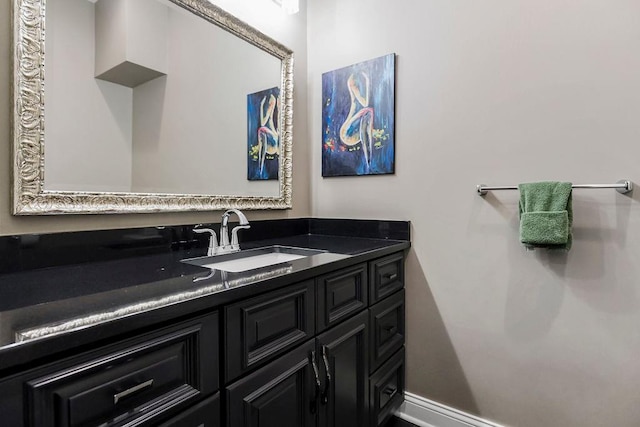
<point>251,263</point>
<point>253,259</point>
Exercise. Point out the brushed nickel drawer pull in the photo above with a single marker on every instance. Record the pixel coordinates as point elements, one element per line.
<point>391,276</point>
<point>389,328</point>
<point>119,396</point>
<point>390,391</point>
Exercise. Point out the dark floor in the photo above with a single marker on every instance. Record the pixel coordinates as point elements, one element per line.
<point>397,422</point>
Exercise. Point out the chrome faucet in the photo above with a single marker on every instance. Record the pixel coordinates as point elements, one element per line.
<point>225,247</point>
<point>234,246</point>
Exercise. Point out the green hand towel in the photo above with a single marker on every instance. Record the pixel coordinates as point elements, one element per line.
<point>546,215</point>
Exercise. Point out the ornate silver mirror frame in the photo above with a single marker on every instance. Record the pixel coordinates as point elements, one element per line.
<point>29,194</point>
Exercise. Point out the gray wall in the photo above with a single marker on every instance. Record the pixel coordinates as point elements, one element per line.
<point>502,92</point>
<point>290,30</point>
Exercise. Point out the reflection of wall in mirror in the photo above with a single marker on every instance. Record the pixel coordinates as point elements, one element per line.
<point>131,41</point>
<point>184,132</point>
<point>88,131</point>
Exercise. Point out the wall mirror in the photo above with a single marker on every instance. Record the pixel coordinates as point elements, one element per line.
<point>124,106</point>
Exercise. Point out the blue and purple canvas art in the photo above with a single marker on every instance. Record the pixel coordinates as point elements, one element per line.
<point>263,139</point>
<point>358,119</point>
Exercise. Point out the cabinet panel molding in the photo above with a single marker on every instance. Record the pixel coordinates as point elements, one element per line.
<point>135,382</point>
<point>279,394</point>
<point>386,389</point>
<point>386,276</point>
<point>387,321</point>
<point>341,294</point>
<point>344,350</point>
<point>204,414</point>
<point>260,328</point>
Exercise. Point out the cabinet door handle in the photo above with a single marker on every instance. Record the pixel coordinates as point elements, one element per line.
<point>390,276</point>
<point>314,402</point>
<point>136,388</point>
<point>327,370</point>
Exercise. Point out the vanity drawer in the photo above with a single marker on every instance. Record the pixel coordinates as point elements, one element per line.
<point>260,328</point>
<point>341,294</point>
<point>386,275</point>
<point>386,389</point>
<point>204,414</point>
<point>387,328</point>
<point>133,385</point>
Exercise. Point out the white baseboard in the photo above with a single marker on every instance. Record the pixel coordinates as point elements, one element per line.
<point>427,413</point>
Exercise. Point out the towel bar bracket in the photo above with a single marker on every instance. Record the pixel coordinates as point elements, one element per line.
<point>480,188</point>
<point>623,186</point>
<point>628,186</point>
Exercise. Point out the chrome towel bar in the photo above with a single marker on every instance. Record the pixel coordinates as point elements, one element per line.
<point>623,186</point>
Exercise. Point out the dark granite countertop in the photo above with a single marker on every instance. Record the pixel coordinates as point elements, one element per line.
<point>74,305</point>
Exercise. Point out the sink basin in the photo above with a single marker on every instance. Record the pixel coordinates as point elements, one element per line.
<point>253,259</point>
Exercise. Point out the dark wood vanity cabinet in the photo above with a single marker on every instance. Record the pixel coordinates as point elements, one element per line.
<point>349,374</point>
<point>325,352</point>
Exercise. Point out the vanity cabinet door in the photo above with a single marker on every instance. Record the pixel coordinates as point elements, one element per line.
<point>343,355</point>
<point>260,328</point>
<point>340,295</point>
<point>280,394</point>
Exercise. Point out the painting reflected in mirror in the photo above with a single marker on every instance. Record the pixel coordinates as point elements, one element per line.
<point>262,135</point>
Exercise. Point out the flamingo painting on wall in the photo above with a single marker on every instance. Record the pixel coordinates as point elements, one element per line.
<point>263,140</point>
<point>358,119</point>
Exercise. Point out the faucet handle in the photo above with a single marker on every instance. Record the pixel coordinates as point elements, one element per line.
<point>234,235</point>
<point>205,230</point>
<point>212,240</point>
